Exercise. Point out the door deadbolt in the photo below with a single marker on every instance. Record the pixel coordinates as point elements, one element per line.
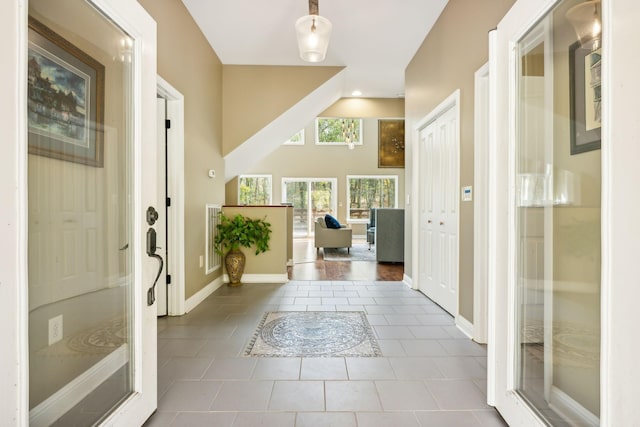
<point>152,215</point>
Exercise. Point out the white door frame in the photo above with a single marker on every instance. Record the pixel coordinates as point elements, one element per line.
<point>14,312</point>
<point>480,203</point>
<point>502,300</point>
<point>620,207</point>
<point>452,101</point>
<point>175,187</point>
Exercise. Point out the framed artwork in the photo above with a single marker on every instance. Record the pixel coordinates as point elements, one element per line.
<point>65,99</point>
<point>585,100</point>
<point>391,143</point>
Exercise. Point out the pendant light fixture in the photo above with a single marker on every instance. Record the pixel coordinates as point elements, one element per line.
<point>349,132</point>
<point>313,33</point>
<point>586,21</point>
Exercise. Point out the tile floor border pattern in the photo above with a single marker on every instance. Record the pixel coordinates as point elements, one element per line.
<point>430,373</point>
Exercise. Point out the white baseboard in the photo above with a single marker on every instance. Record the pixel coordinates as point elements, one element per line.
<point>407,281</point>
<point>202,294</point>
<point>573,412</point>
<point>261,278</point>
<point>465,326</point>
<point>116,281</point>
<point>71,394</point>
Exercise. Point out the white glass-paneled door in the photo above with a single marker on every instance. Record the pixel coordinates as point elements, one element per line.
<point>311,198</point>
<point>92,200</point>
<point>546,219</point>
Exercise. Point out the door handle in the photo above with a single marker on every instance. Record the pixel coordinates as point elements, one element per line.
<point>441,222</point>
<point>151,251</point>
<point>429,222</point>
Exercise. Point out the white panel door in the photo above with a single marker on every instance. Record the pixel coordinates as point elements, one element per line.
<point>439,166</point>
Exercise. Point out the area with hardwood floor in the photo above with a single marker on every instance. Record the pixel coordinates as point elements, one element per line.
<point>309,264</point>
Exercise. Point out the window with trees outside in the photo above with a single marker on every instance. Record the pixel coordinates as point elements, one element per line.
<point>330,131</point>
<point>297,139</point>
<point>254,190</point>
<point>370,191</point>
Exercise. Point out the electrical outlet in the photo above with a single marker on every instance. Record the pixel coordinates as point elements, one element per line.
<point>55,329</point>
<point>201,261</point>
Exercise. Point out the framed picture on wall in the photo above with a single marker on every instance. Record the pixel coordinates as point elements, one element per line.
<point>65,99</point>
<point>585,99</point>
<point>391,143</point>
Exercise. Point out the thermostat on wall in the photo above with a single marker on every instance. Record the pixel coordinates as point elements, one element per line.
<point>467,194</point>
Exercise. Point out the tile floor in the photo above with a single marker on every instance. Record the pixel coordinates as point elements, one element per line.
<point>430,375</point>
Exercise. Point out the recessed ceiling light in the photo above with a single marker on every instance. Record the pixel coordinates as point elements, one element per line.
<point>356,93</point>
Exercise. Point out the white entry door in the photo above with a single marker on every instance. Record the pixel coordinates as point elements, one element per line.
<point>547,189</point>
<point>90,104</point>
<point>438,191</point>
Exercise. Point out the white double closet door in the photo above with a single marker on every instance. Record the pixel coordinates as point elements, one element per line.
<point>439,206</point>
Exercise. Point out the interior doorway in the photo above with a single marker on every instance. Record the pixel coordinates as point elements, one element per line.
<point>171,179</point>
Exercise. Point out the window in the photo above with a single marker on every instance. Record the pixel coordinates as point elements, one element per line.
<point>297,139</point>
<point>369,191</point>
<point>331,131</point>
<point>254,190</point>
<point>213,259</point>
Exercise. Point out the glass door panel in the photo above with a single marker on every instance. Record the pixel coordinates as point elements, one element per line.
<point>557,221</point>
<point>297,193</point>
<point>311,198</point>
<point>81,213</point>
<point>322,199</point>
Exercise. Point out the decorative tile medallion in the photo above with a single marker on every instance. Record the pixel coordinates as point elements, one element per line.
<point>313,334</point>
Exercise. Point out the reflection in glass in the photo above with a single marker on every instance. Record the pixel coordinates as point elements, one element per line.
<point>80,225</point>
<point>557,233</point>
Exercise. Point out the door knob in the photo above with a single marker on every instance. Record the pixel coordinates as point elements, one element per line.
<point>441,222</point>
<point>429,222</point>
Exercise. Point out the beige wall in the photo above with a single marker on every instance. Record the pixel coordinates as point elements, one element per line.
<point>366,108</point>
<point>254,96</point>
<point>196,72</point>
<point>447,60</point>
<point>316,161</point>
<point>273,261</point>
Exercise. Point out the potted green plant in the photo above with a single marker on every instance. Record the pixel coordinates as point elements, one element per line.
<point>240,231</point>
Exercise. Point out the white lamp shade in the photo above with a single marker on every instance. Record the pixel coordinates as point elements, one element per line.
<point>313,33</point>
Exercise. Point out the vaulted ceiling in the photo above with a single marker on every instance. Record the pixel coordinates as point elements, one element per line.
<point>373,39</point>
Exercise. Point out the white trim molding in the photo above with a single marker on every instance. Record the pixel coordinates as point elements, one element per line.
<point>202,294</point>
<point>407,280</point>
<point>480,206</point>
<point>465,326</point>
<point>261,278</point>
<point>71,394</point>
<point>175,184</point>
<point>573,412</point>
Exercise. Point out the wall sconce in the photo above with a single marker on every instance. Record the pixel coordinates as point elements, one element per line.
<point>313,33</point>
